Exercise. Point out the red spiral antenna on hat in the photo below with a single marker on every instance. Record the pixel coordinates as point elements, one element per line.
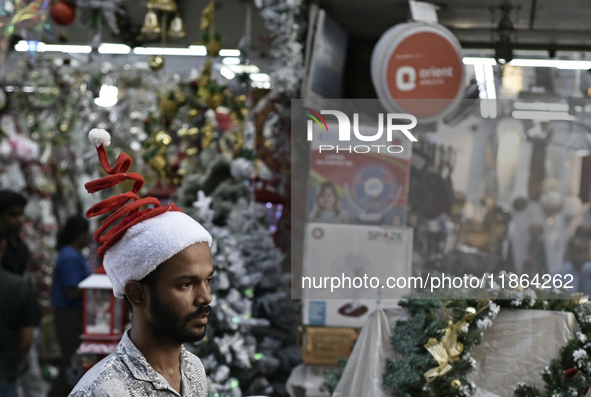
<point>125,211</point>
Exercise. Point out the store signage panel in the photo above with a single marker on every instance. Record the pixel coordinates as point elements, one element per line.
<point>417,68</point>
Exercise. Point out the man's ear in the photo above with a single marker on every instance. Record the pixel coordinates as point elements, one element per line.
<point>136,293</point>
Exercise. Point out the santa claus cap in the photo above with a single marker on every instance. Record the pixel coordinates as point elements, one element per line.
<point>143,239</point>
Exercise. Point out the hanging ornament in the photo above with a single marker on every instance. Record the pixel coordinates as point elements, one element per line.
<point>241,169</point>
<point>162,5</point>
<point>151,26</point>
<point>176,30</point>
<point>163,139</point>
<point>213,48</point>
<point>207,135</point>
<point>168,106</point>
<point>207,16</point>
<point>157,163</point>
<point>63,12</point>
<point>156,62</point>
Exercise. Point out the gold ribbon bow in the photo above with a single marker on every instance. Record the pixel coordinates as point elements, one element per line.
<point>445,351</point>
<point>448,349</point>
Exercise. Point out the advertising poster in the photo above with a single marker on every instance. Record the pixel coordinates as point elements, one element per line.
<point>362,182</point>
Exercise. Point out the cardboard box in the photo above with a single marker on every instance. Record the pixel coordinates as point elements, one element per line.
<point>325,345</point>
<point>352,251</point>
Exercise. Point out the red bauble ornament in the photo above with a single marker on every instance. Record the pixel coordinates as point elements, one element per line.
<point>63,12</point>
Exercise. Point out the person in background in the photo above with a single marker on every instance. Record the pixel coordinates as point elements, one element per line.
<point>19,314</point>
<point>16,260</point>
<point>12,218</point>
<point>66,298</point>
<point>577,265</point>
<point>326,208</point>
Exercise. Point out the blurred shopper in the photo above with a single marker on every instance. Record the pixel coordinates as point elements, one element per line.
<point>12,218</point>
<point>16,260</point>
<point>19,313</point>
<point>66,298</point>
<point>577,265</point>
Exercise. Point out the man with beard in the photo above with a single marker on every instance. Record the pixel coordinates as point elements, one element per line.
<point>159,260</point>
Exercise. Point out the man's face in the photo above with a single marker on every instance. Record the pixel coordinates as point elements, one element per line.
<point>13,220</point>
<point>179,306</point>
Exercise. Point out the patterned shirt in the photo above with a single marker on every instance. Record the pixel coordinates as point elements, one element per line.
<point>125,372</point>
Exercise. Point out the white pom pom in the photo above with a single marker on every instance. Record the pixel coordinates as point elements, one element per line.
<point>98,136</point>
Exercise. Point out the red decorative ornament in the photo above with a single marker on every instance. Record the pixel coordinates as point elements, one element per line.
<point>63,12</point>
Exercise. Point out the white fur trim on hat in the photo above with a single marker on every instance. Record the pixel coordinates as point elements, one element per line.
<point>98,136</point>
<point>149,243</point>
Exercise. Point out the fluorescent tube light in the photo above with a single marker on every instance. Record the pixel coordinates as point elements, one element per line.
<point>229,53</point>
<point>535,115</point>
<point>231,61</point>
<point>552,107</point>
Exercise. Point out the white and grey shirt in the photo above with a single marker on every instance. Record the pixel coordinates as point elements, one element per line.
<point>125,372</point>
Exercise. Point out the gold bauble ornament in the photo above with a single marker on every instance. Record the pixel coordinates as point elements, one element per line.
<point>193,112</point>
<point>214,101</point>
<point>182,132</point>
<point>157,163</point>
<point>156,62</point>
<point>180,96</point>
<point>63,127</point>
<point>192,151</point>
<point>193,131</point>
<point>456,384</point>
<point>163,139</point>
<point>168,106</point>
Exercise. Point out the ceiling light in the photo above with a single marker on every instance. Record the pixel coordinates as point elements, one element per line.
<point>244,68</point>
<point>478,61</point>
<point>260,77</point>
<point>194,50</point>
<point>547,116</point>
<point>112,48</point>
<point>552,107</point>
<point>231,61</point>
<point>229,53</point>
<point>227,73</point>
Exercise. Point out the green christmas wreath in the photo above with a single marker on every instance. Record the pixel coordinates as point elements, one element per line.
<point>434,344</point>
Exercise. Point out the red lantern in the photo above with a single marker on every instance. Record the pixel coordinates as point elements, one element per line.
<point>104,318</point>
<point>63,12</point>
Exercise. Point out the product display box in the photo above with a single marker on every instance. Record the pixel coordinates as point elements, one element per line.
<point>363,183</point>
<point>325,345</point>
<point>365,254</point>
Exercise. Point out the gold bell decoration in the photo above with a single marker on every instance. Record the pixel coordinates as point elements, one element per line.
<point>151,26</point>
<point>176,30</point>
<point>162,5</point>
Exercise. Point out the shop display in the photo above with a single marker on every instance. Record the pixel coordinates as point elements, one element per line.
<point>461,346</point>
<point>351,252</point>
